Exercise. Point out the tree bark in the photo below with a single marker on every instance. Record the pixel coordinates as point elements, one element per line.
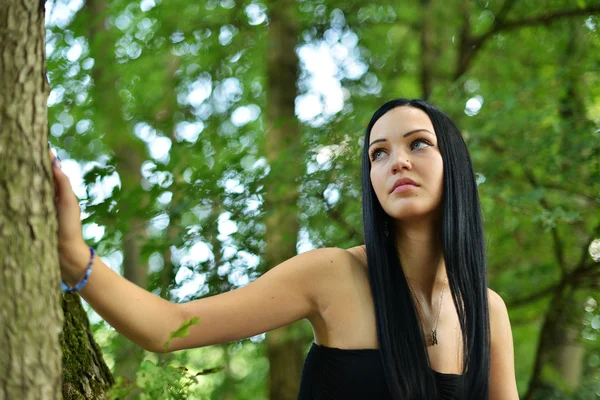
<point>31,318</point>
<point>85,374</point>
<point>30,315</point>
<point>282,149</point>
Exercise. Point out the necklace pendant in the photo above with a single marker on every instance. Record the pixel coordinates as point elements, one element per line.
<point>434,340</point>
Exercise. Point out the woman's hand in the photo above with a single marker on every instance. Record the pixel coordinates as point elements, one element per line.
<point>73,253</point>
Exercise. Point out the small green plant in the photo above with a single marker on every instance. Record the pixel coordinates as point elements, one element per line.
<point>161,381</point>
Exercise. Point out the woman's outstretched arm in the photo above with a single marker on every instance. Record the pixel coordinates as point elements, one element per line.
<point>287,293</point>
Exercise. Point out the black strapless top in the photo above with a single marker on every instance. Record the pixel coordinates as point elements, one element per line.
<point>330,373</point>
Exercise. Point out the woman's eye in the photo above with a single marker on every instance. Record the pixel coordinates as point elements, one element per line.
<point>412,146</point>
<point>375,154</point>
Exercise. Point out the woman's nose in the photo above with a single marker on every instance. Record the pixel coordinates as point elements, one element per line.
<point>401,162</point>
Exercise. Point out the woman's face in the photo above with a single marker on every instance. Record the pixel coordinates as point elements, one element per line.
<point>403,144</point>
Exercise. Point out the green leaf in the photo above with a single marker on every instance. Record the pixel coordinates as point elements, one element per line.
<point>183,331</point>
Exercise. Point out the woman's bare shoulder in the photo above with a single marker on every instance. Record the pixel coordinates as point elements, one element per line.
<point>359,253</point>
<point>340,262</point>
<point>341,257</point>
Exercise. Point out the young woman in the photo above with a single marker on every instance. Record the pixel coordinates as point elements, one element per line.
<point>407,315</point>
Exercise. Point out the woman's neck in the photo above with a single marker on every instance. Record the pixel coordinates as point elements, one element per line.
<point>421,254</point>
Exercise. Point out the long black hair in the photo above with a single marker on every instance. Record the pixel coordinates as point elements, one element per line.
<point>403,348</point>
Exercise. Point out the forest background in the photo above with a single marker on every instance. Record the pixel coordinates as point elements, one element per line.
<point>210,140</point>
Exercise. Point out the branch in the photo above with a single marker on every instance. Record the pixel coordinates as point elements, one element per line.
<point>557,187</point>
<point>545,19</point>
<point>472,45</point>
<point>523,301</point>
<point>588,276</point>
<point>580,275</point>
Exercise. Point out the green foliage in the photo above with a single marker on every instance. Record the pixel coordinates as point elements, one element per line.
<point>534,138</point>
<point>161,380</point>
<point>158,382</point>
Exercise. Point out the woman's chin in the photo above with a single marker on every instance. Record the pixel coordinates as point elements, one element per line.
<point>408,215</point>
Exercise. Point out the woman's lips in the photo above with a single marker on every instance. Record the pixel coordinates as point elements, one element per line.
<point>404,188</point>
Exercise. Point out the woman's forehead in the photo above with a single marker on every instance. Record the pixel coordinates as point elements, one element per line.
<point>399,121</point>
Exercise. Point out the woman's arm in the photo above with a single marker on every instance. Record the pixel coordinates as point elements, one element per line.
<point>503,385</point>
<point>284,294</point>
<point>287,293</point>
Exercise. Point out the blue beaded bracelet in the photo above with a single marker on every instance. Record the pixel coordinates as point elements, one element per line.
<point>65,288</point>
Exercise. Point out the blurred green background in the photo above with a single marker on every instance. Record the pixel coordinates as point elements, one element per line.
<point>184,136</point>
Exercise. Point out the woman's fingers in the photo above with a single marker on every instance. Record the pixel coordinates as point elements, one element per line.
<point>55,164</point>
<point>68,214</point>
<point>67,207</point>
<point>62,186</point>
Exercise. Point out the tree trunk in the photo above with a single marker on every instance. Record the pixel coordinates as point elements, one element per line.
<point>568,356</point>
<point>558,345</point>
<point>283,154</point>
<point>568,353</point>
<point>228,391</point>
<point>129,157</point>
<point>31,317</point>
<point>165,117</point>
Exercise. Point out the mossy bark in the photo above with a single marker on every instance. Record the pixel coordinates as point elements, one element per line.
<point>85,374</point>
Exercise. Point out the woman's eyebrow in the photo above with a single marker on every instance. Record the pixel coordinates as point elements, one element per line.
<point>407,134</point>
<point>417,130</point>
<point>377,141</point>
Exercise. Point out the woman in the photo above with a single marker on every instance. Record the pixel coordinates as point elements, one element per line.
<point>406,316</point>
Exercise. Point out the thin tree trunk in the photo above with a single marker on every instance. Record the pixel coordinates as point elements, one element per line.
<point>546,340</point>
<point>283,154</point>
<point>129,156</point>
<point>228,390</point>
<point>166,117</point>
<point>563,350</point>
<point>569,355</point>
